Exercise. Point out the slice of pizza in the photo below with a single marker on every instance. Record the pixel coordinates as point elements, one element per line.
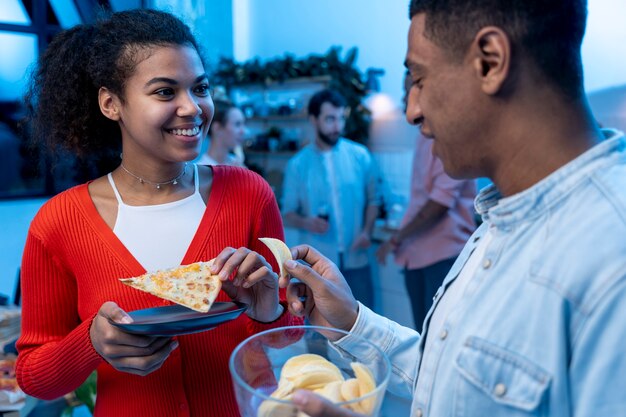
<point>193,286</point>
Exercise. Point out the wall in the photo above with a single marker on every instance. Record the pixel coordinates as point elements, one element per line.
<point>609,106</point>
<point>603,58</point>
<point>210,20</point>
<point>270,28</point>
<point>15,218</point>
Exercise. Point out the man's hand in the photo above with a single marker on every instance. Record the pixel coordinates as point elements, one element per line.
<point>320,292</point>
<point>316,406</point>
<point>362,241</point>
<point>315,225</point>
<point>384,250</point>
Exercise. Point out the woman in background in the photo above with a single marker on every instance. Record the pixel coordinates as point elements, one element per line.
<point>227,133</point>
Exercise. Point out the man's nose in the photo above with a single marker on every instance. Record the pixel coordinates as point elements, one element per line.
<point>413,109</point>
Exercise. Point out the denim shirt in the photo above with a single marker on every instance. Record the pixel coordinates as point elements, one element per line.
<point>541,328</point>
<point>307,187</point>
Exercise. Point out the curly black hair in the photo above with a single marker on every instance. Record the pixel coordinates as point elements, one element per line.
<point>62,97</point>
<point>549,31</point>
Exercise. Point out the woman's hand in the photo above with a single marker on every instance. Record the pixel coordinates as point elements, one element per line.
<point>253,282</point>
<point>126,352</point>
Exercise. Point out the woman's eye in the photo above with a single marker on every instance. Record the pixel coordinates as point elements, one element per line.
<point>165,92</point>
<point>202,90</point>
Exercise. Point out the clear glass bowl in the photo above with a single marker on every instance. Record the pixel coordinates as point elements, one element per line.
<point>256,364</point>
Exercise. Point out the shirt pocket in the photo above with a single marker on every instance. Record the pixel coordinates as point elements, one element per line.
<point>496,381</point>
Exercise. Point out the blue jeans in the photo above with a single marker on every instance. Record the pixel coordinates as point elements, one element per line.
<point>422,284</point>
<point>360,282</point>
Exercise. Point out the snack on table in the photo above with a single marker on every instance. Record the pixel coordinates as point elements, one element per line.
<point>193,285</point>
<point>8,382</point>
<point>315,373</point>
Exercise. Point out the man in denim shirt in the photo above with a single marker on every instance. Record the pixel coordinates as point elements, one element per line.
<point>531,319</point>
<point>331,194</point>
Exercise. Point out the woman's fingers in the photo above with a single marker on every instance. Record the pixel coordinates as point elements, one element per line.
<point>246,267</point>
<point>115,351</point>
<point>143,365</point>
<point>111,311</point>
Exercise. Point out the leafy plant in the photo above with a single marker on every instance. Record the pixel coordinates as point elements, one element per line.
<point>85,394</point>
<point>345,78</point>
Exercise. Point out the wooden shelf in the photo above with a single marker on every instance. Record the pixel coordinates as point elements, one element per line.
<point>267,154</point>
<point>279,118</point>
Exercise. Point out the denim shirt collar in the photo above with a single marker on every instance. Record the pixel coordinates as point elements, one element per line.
<point>534,201</point>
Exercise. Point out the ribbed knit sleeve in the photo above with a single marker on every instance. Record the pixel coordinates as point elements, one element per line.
<point>55,351</point>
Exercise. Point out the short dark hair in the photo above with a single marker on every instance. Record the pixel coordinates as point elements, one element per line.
<point>325,96</point>
<point>549,31</point>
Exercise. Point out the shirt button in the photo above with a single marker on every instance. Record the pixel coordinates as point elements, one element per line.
<point>418,413</point>
<point>443,334</point>
<point>487,263</point>
<point>499,390</point>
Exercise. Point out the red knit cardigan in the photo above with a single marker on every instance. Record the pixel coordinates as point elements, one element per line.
<point>70,267</point>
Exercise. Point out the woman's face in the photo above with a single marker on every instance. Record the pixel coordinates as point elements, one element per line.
<point>233,132</point>
<point>167,107</point>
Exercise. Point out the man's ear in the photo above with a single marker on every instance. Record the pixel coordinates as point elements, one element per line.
<point>491,58</point>
<point>109,104</point>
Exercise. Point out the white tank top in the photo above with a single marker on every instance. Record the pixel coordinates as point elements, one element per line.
<point>158,236</point>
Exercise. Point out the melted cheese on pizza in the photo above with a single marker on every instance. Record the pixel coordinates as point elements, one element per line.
<point>190,285</point>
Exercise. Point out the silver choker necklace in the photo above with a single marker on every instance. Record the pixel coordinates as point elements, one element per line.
<point>157,185</point>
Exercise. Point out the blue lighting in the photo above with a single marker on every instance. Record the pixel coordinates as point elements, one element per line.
<point>19,51</point>
<point>13,12</point>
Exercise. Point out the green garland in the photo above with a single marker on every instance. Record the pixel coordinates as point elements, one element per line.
<point>345,78</point>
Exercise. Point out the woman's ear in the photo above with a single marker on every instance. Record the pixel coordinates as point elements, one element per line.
<point>109,104</point>
<point>491,58</point>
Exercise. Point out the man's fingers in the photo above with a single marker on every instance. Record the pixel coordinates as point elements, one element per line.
<point>307,254</point>
<point>306,274</point>
<point>316,406</point>
<point>296,297</point>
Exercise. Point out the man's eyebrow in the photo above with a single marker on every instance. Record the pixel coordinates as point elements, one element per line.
<point>171,81</point>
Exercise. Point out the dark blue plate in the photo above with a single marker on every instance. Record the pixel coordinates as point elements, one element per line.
<point>175,320</point>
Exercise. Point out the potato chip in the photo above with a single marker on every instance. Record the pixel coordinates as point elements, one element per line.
<point>280,251</point>
<point>350,389</point>
<point>331,391</point>
<point>366,385</point>
<point>315,373</point>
